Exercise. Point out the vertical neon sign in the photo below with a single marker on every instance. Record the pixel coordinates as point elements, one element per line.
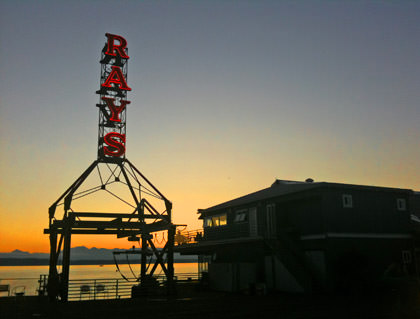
<point>113,99</point>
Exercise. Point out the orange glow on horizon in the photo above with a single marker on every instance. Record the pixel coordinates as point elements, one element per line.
<point>25,230</point>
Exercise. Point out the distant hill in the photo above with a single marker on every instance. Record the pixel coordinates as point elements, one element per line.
<point>79,255</point>
<point>76,253</point>
<point>23,254</point>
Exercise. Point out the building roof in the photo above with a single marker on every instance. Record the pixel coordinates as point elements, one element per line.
<point>284,187</point>
<point>279,187</point>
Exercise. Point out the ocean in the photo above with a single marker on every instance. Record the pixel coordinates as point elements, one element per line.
<point>28,276</point>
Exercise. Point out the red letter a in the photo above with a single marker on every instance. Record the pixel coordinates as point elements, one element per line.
<point>111,47</point>
<point>115,110</point>
<point>116,76</point>
<point>117,148</point>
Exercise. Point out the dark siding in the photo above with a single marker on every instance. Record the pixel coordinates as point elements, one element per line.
<point>244,252</point>
<point>301,215</point>
<point>372,212</point>
<point>415,204</point>
<point>364,260</point>
<point>319,211</point>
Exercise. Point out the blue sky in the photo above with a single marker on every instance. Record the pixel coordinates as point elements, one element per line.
<point>226,96</point>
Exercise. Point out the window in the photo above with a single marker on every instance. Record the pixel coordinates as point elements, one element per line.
<point>215,221</point>
<point>223,220</point>
<point>207,222</point>
<point>401,204</point>
<point>347,201</point>
<point>241,216</point>
<point>406,256</point>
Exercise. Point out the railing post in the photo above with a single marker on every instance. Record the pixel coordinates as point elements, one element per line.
<point>94,289</point>
<point>116,289</point>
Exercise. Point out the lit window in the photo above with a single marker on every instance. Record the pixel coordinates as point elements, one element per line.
<point>347,201</point>
<point>223,220</point>
<point>401,204</point>
<point>207,222</point>
<point>215,221</point>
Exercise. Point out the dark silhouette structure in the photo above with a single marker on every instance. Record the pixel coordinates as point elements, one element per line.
<point>149,211</point>
<point>139,224</point>
<point>309,236</point>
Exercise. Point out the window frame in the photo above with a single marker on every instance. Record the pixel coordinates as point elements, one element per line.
<point>401,204</point>
<point>207,222</point>
<point>241,216</point>
<point>214,221</point>
<point>347,200</point>
<point>406,256</point>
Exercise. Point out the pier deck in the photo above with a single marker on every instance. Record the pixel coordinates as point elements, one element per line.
<point>205,304</point>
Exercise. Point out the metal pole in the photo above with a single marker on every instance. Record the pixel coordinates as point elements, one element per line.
<point>143,266</point>
<point>64,283</point>
<point>170,257</point>
<point>52,286</point>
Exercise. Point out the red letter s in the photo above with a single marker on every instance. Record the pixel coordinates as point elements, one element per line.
<point>117,147</point>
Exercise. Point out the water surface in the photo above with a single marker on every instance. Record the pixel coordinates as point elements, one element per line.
<point>28,276</point>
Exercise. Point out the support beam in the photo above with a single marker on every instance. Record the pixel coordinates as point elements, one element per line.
<point>170,256</point>
<point>159,258</point>
<point>106,215</point>
<point>52,286</point>
<point>64,282</point>
<point>143,266</point>
<point>52,208</point>
<point>148,182</point>
<point>130,187</point>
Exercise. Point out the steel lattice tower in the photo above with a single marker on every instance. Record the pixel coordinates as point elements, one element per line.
<point>105,126</point>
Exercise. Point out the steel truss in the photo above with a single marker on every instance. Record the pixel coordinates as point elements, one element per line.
<point>139,223</point>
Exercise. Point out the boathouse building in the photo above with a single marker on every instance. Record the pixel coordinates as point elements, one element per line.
<point>308,236</point>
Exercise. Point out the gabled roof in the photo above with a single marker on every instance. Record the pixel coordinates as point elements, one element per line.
<point>283,187</point>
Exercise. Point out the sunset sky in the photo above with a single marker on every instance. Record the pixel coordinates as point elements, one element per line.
<point>226,97</point>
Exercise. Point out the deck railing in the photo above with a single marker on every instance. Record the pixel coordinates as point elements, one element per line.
<point>87,289</point>
<point>92,289</point>
<point>19,286</point>
<point>188,236</point>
